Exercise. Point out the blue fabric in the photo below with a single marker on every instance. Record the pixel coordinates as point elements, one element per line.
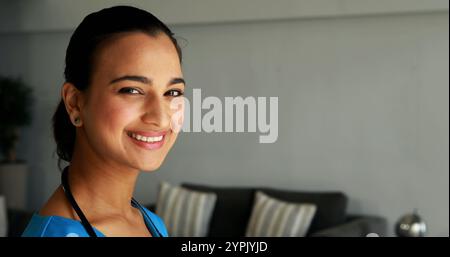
<point>57,226</point>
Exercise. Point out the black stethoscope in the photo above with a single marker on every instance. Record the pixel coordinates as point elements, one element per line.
<point>87,226</point>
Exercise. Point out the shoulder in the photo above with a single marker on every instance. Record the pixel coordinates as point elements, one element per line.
<point>57,205</point>
<point>53,226</point>
<point>158,222</point>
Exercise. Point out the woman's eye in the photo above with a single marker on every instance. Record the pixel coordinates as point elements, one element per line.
<point>174,93</point>
<point>129,90</point>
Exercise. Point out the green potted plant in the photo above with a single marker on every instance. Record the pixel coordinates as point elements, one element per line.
<point>15,112</point>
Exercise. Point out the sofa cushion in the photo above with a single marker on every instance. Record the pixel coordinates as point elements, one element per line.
<point>331,206</point>
<point>275,218</point>
<point>232,210</point>
<point>186,213</point>
<point>3,217</point>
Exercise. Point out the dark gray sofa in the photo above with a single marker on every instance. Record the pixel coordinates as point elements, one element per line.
<point>234,204</point>
<point>17,221</point>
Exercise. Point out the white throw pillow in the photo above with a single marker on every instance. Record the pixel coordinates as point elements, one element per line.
<point>276,218</point>
<point>185,212</point>
<point>3,217</point>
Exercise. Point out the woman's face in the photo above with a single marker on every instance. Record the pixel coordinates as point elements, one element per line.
<point>127,108</point>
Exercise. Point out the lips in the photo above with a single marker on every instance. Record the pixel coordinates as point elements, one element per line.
<point>148,139</point>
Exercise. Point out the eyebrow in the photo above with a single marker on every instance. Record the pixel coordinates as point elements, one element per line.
<point>146,80</point>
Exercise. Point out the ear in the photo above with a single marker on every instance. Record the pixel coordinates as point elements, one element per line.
<point>72,98</point>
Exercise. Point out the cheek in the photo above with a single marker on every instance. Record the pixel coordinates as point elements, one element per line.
<point>111,114</point>
<point>172,139</point>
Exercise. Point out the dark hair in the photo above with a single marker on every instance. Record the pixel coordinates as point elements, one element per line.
<point>97,28</point>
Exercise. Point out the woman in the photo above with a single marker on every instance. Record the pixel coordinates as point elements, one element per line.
<point>123,70</point>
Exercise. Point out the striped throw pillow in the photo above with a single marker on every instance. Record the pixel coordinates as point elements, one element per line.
<point>186,213</point>
<point>272,217</point>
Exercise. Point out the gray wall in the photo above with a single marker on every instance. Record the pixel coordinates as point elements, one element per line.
<point>363,108</point>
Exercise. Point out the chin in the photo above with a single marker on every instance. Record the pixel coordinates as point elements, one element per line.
<point>150,167</point>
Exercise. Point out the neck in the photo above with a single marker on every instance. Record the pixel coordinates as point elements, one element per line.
<point>99,187</point>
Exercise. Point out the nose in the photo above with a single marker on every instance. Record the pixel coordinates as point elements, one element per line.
<point>156,113</point>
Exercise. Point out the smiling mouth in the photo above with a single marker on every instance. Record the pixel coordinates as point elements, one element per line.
<point>155,141</point>
<point>147,139</point>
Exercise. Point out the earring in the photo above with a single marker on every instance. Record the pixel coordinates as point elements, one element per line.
<point>77,121</point>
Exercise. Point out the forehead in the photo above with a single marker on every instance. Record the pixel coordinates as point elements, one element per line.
<point>137,53</point>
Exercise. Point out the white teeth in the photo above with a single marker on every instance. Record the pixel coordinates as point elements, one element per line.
<point>146,139</point>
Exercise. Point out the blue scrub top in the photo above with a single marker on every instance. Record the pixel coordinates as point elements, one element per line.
<point>57,226</point>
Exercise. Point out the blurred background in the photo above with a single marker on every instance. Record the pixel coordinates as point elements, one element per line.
<point>363,90</point>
